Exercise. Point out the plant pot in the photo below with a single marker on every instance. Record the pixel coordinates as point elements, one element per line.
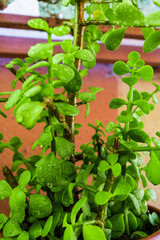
<point>156,235</point>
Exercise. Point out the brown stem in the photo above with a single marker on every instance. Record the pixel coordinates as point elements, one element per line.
<point>9,177</point>
<point>13,70</point>
<point>78,40</point>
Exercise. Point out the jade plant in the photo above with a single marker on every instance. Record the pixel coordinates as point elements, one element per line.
<point>50,195</point>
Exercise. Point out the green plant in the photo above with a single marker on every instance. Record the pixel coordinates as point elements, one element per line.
<point>63,204</point>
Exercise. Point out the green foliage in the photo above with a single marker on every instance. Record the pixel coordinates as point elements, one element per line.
<point>51,197</point>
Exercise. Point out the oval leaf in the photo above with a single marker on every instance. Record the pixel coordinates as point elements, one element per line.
<point>134,15</point>
<point>64,148</point>
<point>84,55</point>
<point>117,103</point>
<point>114,39</point>
<point>120,68</point>
<point>5,190</point>
<point>152,42</point>
<point>38,23</point>
<point>40,51</point>
<point>152,169</point>
<point>145,72</point>
<point>93,232</point>
<point>66,109</point>
<point>62,72</point>
<point>102,198</point>
<point>139,135</point>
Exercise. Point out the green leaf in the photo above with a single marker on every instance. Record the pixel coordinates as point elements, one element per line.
<point>62,72</point>
<point>91,232</point>
<point>3,114</point>
<point>75,84</point>
<point>130,81</point>
<point>67,197</point>
<point>35,230</point>
<point>68,59</point>
<point>153,19</point>
<point>114,39</point>
<point>147,31</point>
<point>13,99</point>
<point>151,194</point>
<point>41,51</point>
<point>112,158</point>
<point>116,169</point>
<point>47,226</point>
<point>87,110</point>
<point>155,99</point>
<point>28,113</point>
<point>102,197</point>
<point>139,234</point>
<point>40,206</point>
<point>61,30</point>
<point>121,68</point>
<point>133,57</point>
<point>28,81</point>
<point>118,225</point>
<point>124,119</point>
<point>66,2</point>
<point>152,42</point>
<point>58,58</point>
<point>139,135</point>
<point>89,64</point>
<point>145,72</point>
<point>135,203</point>
<point>3,220</point>
<point>132,221</point>
<point>32,91</point>
<point>95,90</point>
<point>64,148</point>
<point>143,105</point>
<point>134,15</point>
<point>87,97</point>
<point>117,103</point>
<point>66,45</point>
<point>84,55</point>
<point>23,236</point>
<point>45,137</point>
<point>38,23</point>
<point>11,229</point>
<point>37,65</point>
<point>55,177</point>
<point>76,209</point>
<point>144,181</point>
<point>110,127</point>
<point>122,188</point>
<point>68,233</point>
<point>24,179</point>
<point>152,169</point>
<point>66,109</point>
<point>5,190</point>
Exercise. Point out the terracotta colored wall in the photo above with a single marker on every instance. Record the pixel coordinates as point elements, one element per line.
<point>99,76</point>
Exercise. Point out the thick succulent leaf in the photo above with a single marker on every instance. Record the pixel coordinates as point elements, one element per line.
<point>76,209</point>
<point>134,15</point>
<point>11,229</point>
<point>38,23</point>
<point>102,197</point>
<point>41,51</point>
<point>152,42</point>
<point>32,91</point>
<point>145,72</point>
<point>152,169</point>
<point>118,225</point>
<point>62,72</point>
<point>139,135</point>
<point>130,81</point>
<point>5,190</point>
<point>47,226</point>
<point>91,232</point>
<point>35,230</point>
<point>114,39</point>
<point>28,113</point>
<point>117,103</point>
<point>147,31</point>
<point>13,99</point>
<point>23,236</point>
<point>122,188</point>
<point>75,84</point>
<point>121,68</point>
<point>64,148</point>
<point>24,179</point>
<point>66,109</point>
<point>40,206</point>
<point>143,105</point>
<point>68,233</point>
<point>153,19</point>
<point>61,30</point>
<point>84,55</point>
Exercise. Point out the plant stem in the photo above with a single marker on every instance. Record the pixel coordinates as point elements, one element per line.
<point>50,80</point>
<point>78,224</point>
<point>86,187</point>
<point>78,40</point>
<point>102,211</point>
